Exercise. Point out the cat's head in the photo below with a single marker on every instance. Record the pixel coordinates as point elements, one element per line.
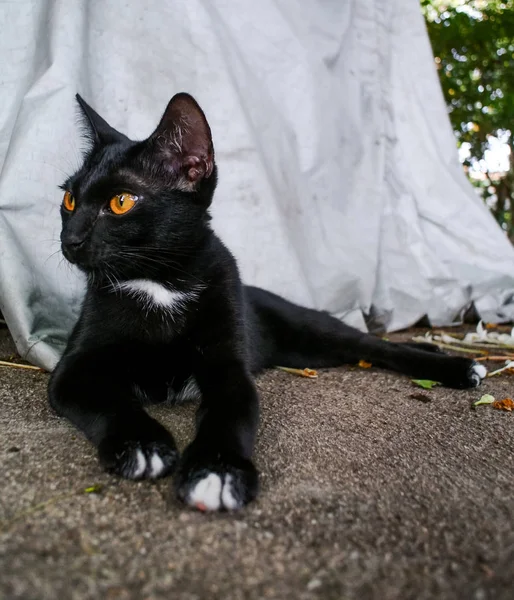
<point>134,207</point>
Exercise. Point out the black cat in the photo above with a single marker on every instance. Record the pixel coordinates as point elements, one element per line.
<point>166,317</point>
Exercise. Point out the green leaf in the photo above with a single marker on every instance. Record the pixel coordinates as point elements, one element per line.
<point>93,489</point>
<point>426,384</point>
<point>485,399</point>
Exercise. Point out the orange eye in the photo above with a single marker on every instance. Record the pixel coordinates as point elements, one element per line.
<point>122,203</point>
<point>69,202</point>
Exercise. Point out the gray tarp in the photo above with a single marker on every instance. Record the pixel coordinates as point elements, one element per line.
<point>339,187</point>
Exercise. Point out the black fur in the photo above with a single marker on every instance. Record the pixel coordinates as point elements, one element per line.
<point>125,351</point>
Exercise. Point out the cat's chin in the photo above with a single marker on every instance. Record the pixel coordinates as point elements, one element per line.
<point>82,265</point>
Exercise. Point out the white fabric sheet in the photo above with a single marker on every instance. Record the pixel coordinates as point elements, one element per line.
<point>340,186</point>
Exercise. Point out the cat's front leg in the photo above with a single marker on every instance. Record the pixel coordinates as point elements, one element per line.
<point>94,391</point>
<point>216,471</point>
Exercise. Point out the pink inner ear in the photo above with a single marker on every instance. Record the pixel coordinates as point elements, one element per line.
<point>197,168</point>
<point>187,137</point>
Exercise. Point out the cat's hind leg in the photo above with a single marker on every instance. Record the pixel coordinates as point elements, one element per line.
<point>282,333</point>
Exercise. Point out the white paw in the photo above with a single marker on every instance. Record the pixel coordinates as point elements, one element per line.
<point>212,493</point>
<point>156,465</point>
<point>139,463</point>
<point>478,372</point>
<point>227,495</point>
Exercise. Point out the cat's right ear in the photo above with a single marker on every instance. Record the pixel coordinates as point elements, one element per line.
<point>182,142</point>
<point>96,128</point>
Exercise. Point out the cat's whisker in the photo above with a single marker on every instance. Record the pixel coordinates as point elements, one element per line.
<point>47,164</point>
<point>142,256</point>
<point>51,256</point>
<point>118,285</point>
<point>111,283</point>
<point>171,265</point>
<point>161,248</point>
<point>160,252</point>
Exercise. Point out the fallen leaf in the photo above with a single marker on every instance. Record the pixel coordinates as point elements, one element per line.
<point>311,373</point>
<point>364,365</point>
<point>485,399</point>
<point>93,489</point>
<point>421,397</point>
<point>505,404</point>
<point>426,384</point>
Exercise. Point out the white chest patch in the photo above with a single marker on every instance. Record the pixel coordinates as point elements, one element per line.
<point>155,296</point>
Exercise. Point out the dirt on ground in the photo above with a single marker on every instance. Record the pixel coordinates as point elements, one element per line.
<point>369,491</point>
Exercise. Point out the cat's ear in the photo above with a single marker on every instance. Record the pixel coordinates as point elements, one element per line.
<point>97,129</point>
<point>183,141</point>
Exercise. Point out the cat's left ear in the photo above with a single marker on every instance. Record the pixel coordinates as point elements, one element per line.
<point>183,140</point>
<point>98,129</point>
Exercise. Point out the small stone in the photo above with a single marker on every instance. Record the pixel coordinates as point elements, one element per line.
<point>314,584</point>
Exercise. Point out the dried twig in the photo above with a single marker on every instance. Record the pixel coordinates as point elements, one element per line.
<point>508,367</point>
<point>503,358</point>
<point>5,363</point>
<point>423,340</point>
<point>93,489</point>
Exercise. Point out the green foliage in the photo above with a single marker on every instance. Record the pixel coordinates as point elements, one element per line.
<point>426,384</point>
<point>473,44</point>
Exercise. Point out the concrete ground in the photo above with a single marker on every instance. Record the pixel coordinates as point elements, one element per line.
<point>367,492</point>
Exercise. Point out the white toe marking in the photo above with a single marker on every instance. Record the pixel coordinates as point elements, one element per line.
<point>141,464</point>
<point>207,493</point>
<point>156,465</point>
<point>211,494</point>
<point>229,502</point>
<point>480,370</point>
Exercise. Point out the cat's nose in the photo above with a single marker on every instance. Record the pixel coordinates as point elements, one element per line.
<point>73,244</point>
<point>73,247</point>
<point>71,239</point>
